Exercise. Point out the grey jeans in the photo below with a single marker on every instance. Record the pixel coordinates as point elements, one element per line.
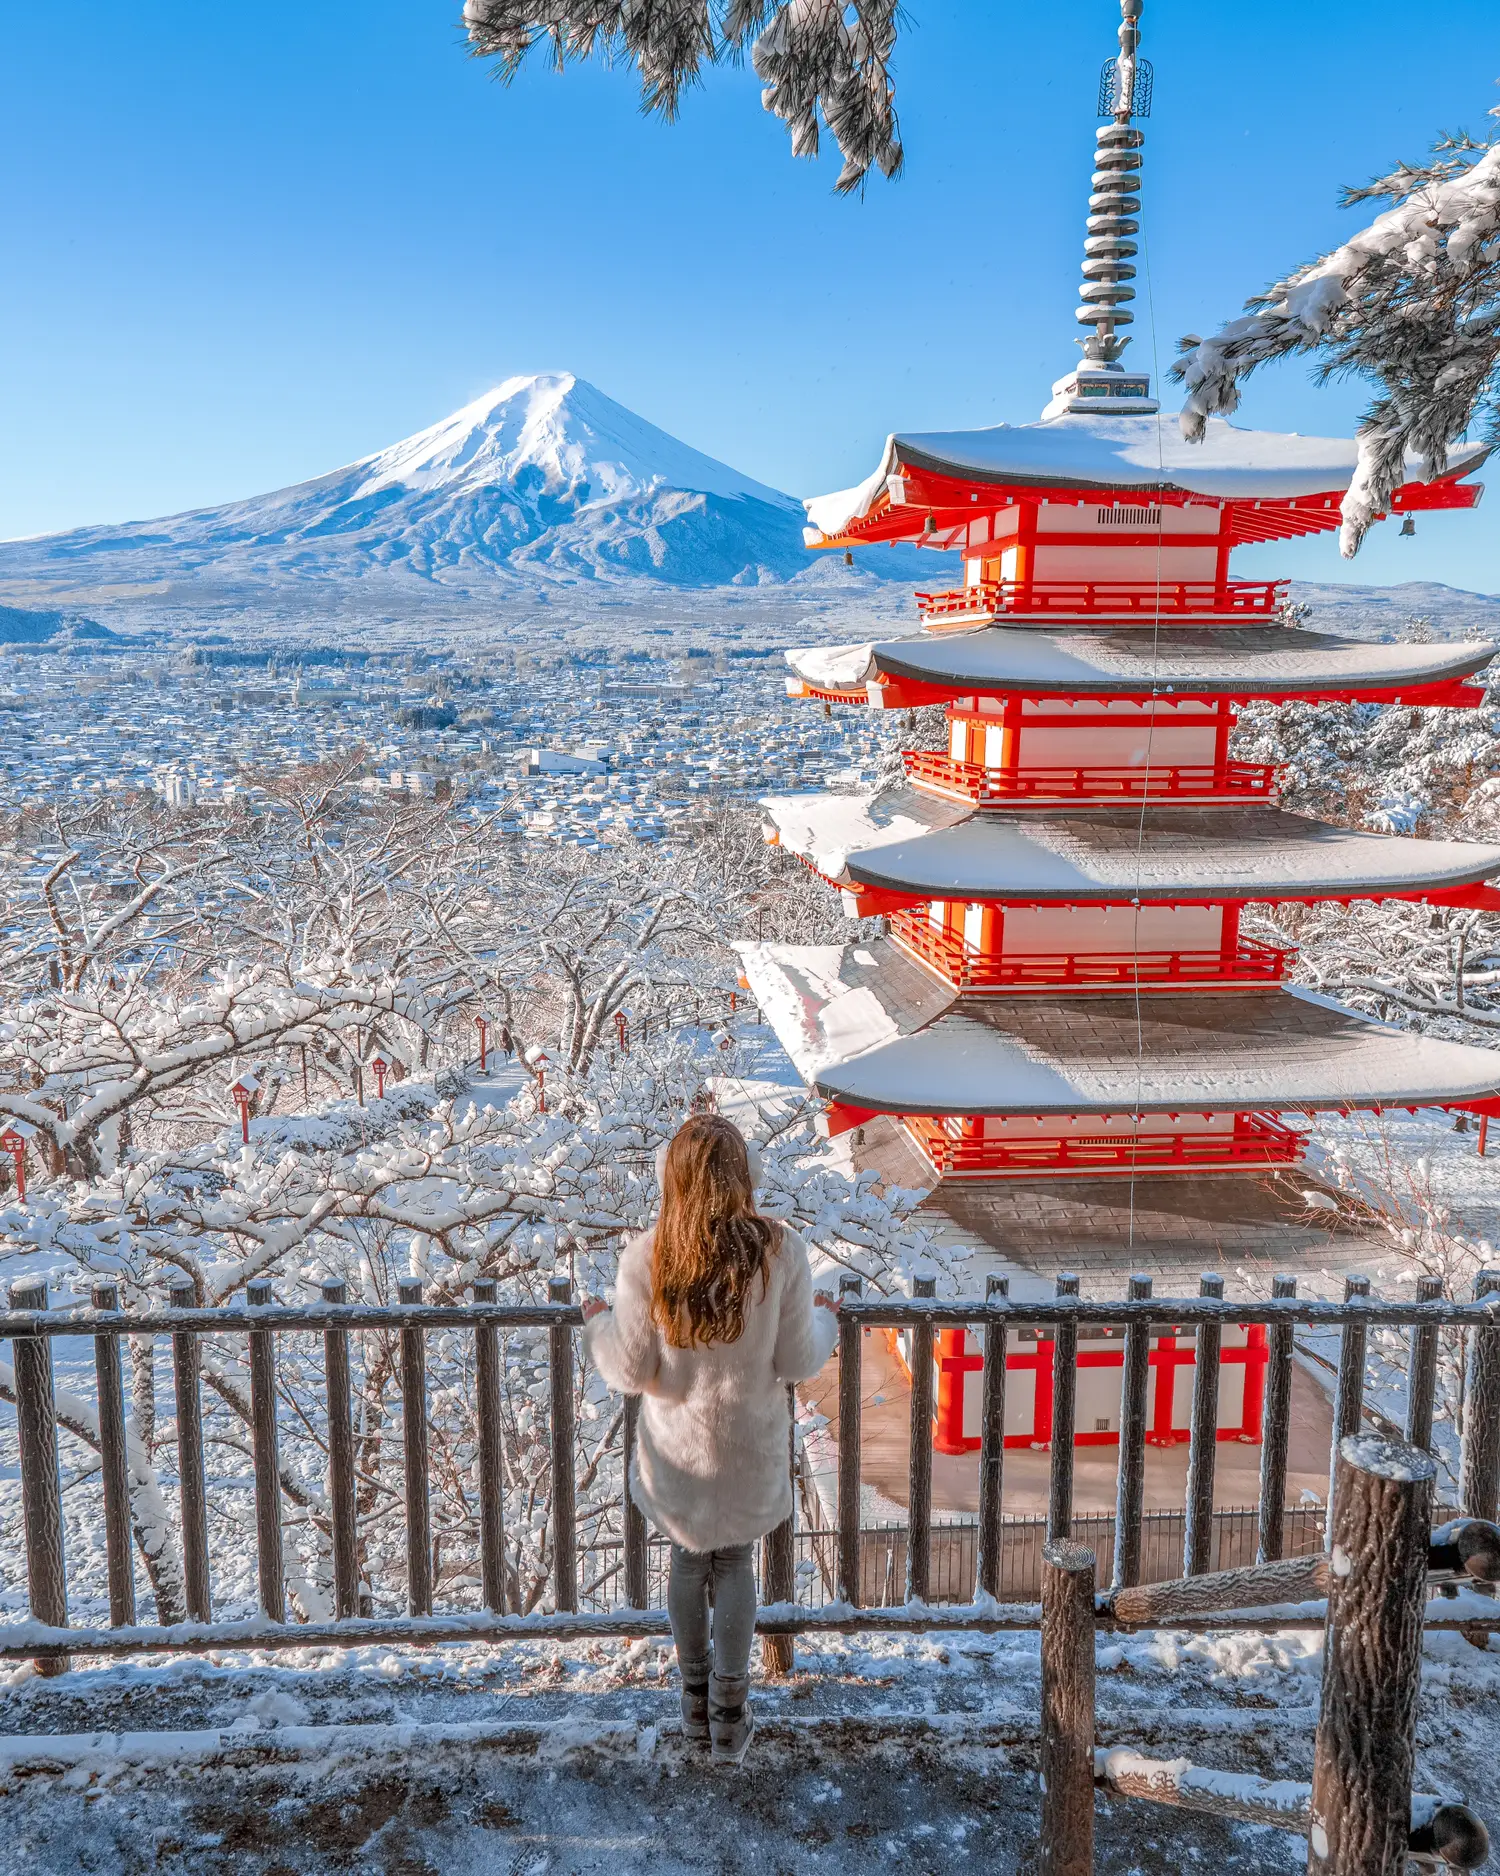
<point>731,1575</point>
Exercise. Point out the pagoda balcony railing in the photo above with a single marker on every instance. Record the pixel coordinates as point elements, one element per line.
<point>972,781</point>
<point>971,970</point>
<point>1256,1140</point>
<point>1106,598</point>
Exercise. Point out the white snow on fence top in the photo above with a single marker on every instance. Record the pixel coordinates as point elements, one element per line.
<point>1089,451</point>
<point>1159,853</point>
<point>1230,659</point>
<point>825,829</point>
<point>863,1028</point>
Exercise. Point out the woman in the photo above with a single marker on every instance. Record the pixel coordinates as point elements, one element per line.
<point>714,1314</point>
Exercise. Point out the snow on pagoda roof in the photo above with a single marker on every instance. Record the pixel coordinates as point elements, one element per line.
<point>1173,1225</point>
<point>868,1029</point>
<point>1228,659</point>
<point>1155,853</point>
<point>825,829</point>
<point>1087,451</point>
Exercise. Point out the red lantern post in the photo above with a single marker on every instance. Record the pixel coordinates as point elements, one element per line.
<point>381,1067</point>
<point>243,1091</point>
<point>541,1089</point>
<point>621,1037</point>
<point>13,1141</point>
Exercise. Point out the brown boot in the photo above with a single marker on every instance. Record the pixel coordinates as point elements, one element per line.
<point>695,1712</point>
<point>731,1724</point>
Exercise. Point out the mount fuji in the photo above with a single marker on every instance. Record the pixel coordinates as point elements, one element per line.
<point>543,480</point>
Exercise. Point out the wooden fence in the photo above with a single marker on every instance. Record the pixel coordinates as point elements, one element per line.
<point>921,1577</point>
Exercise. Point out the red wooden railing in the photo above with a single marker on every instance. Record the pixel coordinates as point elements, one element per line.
<point>1255,1141</point>
<point>1106,597</point>
<point>974,782</point>
<point>968,969</point>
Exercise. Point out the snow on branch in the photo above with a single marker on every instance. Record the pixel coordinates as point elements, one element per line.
<point>1411,302</point>
<point>818,61</point>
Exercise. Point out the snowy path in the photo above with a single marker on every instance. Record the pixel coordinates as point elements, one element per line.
<point>877,1754</point>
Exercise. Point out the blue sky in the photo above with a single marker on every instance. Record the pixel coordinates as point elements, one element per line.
<point>245,245</point>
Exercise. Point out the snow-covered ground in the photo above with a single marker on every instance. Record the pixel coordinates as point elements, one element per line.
<point>877,1753</point>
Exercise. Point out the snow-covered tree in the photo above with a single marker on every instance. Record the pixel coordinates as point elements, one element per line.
<point>819,61</point>
<point>1412,302</point>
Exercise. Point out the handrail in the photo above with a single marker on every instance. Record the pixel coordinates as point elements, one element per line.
<point>981,783</point>
<point>972,969</point>
<point>1103,596</point>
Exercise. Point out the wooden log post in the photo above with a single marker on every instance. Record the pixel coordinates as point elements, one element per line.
<point>1064,1417</point>
<point>1377,1589</point>
<point>342,1510</point>
<point>851,1382</point>
<point>992,1445</point>
<point>1130,1484</point>
<point>1258,1586</point>
<point>491,1455</point>
<point>1203,1447</point>
<point>1067,1655</point>
<point>778,1563</point>
<point>1421,1373</point>
<point>1479,1466</point>
<point>919,1491</point>
<point>564,1491</point>
<point>266,1449</point>
<point>415,1453</point>
<point>1349,1390</point>
<point>192,1484</point>
<point>41,1484</point>
<point>632,1517</point>
<point>114,1462</point>
<point>1275,1435</point>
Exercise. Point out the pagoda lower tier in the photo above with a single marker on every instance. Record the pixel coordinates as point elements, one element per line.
<point>987,1087</point>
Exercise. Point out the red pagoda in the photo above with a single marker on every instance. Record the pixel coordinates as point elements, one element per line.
<point>1064,1031</point>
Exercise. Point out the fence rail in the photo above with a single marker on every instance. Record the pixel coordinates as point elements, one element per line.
<point>982,1573</point>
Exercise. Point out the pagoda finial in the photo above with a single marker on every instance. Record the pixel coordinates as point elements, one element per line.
<point>1100,382</point>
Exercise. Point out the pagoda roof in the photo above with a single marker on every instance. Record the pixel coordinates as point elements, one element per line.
<point>1110,453</point>
<point>902,841</point>
<point>867,1028</point>
<point>1238,661</point>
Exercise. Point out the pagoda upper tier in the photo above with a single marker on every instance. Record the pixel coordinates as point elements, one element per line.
<point>1231,664</point>
<point>948,488</point>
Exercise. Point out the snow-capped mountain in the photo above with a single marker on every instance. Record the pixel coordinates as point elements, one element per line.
<point>543,476</point>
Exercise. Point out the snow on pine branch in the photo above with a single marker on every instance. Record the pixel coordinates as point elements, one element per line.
<point>818,61</point>
<point>1412,302</point>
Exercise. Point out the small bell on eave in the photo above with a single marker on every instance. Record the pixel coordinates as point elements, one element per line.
<point>1408,527</point>
<point>848,558</point>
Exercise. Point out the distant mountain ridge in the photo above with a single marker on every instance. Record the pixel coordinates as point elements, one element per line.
<point>544,475</point>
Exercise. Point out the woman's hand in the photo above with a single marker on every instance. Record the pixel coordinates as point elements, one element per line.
<point>594,1306</point>
<point>822,1300</point>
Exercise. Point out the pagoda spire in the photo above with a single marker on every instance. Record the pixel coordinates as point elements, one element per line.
<point>1100,383</point>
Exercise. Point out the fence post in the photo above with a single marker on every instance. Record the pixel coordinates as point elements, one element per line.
<point>192,1487</point>
<point>1421,1372</point>
<point>778,1562</point>
<point>114,1463</point>
<point>1479,1470</point>
<point>1064,1409</point>
<point>491,1454</point>
<point>1372,1656</point>
<point>264,1444</point>
<point>1067,1652</point>
<point>1275,1432</point>
<point>919,1496</point>
<point>41,1487</point>
<point>341,1504</point>
<point>992,1445</point>
<point>851,1356</point>
<point>564,1536</point>
<point>1130,1486</point>
<point>634,1519</point>
<point>1349,1390</point>
<point>414,1446</point>
<point>1198,1530</point>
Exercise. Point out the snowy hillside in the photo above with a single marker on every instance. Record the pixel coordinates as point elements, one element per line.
<point>542,476</point>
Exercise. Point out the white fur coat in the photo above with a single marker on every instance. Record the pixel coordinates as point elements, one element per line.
<point>711,1459</point>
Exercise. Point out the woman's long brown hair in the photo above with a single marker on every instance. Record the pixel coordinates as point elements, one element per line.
<point>711,1243</point>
